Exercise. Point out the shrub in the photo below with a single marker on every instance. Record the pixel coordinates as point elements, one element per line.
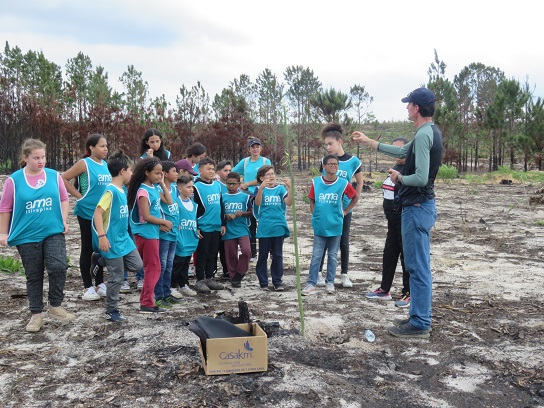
<point>11,265</point>
<point>446,172</point>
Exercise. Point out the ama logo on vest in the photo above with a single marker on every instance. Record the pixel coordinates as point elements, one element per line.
<point>36,206</point>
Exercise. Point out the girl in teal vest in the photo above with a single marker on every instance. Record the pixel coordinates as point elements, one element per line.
<point>271,203</point>
<point>146,221</point>
<point>33,214</point>
<point>152,146</point>
<point>92,176</point>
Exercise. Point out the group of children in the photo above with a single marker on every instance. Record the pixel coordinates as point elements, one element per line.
<point>152,218</point>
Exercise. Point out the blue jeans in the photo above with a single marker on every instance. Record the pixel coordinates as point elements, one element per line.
<point>417,221</point>
<point>167,250</point>
<point>320,243</point>
<point>274,246</point>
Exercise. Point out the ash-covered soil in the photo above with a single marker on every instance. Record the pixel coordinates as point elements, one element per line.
<point>486,348</point>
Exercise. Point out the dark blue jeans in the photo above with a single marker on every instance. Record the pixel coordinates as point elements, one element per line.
<point>274,246</point>
<point>51,252</point>
<point>167,250</point>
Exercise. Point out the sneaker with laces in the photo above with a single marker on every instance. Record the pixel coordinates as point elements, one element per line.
<point>279,287</point>
<point>330,287</point>
<point>90,294</point>
<point>95,264</point>
<point>140,284</point>
<point>187,291</point>
<point>202,287</point>
<point>346,282</point>
<point>152,309</point>
<point>175,293</point>
<point>379,294</point>
<point>265,288</point>
<point>101,290</point>
<point>213,284</point>
<point>404,300</point>
<point>115,316</point>
<point>309,289</point>
<point>35,323</point>
<point>125,287</point>
<point>320,280</point>
<point>172,300</point>
<point>163,303</point>
<point>60,313</point>
<point>406,330</point>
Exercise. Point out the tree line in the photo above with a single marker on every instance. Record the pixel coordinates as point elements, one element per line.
<point>482,113</point>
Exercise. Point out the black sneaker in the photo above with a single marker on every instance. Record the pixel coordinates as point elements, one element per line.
<point>152,309</point>
<point>95,264</point>
<point>115,316</point>
<point>406,330</point>
<point>172,300</point>
<point>213,285</point>
<point>279,287</point>
<point>400,322</point>
<point>236,280</point>
<point>201,287</point>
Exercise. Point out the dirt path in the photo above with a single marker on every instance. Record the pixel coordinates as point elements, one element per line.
<point>486,348</point>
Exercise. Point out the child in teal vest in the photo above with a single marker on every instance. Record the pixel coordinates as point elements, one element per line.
<point>111,238</point>
<point>326,204</point>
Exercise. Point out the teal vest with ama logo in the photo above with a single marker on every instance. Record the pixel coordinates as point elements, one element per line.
<point>328,216</point>
<point>117,233</point>
<point>37,212</point>
<point>145,229</point>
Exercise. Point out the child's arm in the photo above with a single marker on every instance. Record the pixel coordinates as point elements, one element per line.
<point>143,204</point>
<point>288,198</point>
<point>77,169</point>
<point>166,197</point>
<point>350,191</point>
<point>312,205</point>
<point>103,241</point>
<point>259,196</point>
<point>4,228</point>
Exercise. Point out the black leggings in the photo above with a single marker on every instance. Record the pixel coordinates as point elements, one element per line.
<point>85,228</point>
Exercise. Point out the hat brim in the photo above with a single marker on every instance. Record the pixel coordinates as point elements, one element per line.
<point>406,99</point>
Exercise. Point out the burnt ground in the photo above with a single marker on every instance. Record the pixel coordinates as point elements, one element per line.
<point>486,348</point>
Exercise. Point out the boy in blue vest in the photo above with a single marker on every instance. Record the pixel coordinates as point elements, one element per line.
<point>110,234</point>
<point>237,208</point>
<point>211,226</point>
<point>326,197</point>
<point>187,237</point>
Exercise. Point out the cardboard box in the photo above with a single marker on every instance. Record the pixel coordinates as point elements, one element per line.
<point>236,354</point>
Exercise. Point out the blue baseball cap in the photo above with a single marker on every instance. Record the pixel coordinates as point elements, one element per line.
<point>420,96</point>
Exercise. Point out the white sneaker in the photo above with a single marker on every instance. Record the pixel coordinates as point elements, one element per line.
<point>90,294</point>
<point>187,291</point>
<point>330,287</point>
<point>101,290</point>
<point>320,280</point>
<point>140,284</point>
<point>309,289</point>
<point>125,287</point>
<point>174,292</point>
<point>346,283</point>
<point>254,259</point>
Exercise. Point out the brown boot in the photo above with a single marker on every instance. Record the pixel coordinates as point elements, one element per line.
<point>61,314</point>
<point>35,323</point>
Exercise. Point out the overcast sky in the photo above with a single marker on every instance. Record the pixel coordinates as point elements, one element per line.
<point>386,46</point>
